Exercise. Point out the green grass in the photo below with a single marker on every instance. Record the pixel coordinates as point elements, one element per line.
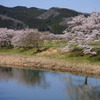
<point>95,44</point>
<point>54,43</point>
<point>47,44</point>
<point>75,55</point>
<point>18,51</point>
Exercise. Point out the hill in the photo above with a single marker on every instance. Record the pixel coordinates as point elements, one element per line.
<point>11,23</point>
<point>42,19</point>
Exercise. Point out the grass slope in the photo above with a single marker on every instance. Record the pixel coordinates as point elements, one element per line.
<point>53,50</point>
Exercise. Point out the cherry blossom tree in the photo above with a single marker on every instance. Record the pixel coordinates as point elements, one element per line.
<point>5,37</point>
<point>83,30</point>
<point>32,39</point>
<point>18,38</point>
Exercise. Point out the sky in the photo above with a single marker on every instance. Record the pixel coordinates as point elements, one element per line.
<point>86,6</point>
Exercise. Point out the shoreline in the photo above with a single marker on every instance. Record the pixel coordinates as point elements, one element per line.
<point>45,63</point>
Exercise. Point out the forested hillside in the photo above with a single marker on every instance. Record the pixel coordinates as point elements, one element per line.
<point>43,20</point>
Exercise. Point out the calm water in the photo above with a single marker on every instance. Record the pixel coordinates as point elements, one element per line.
<point>21,84</point>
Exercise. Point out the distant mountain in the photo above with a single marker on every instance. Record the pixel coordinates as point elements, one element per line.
<point>44,20</point>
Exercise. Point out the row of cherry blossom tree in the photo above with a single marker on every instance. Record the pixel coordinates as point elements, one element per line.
<point>20,38</point>
<point>82,31</point>
<point>26,38</point>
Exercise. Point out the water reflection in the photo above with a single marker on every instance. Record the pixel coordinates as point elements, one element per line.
<point>22,84</point>
<point>80,88</point>
<point>24,77</point>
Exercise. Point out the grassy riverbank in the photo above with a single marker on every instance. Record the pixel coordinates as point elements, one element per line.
<point>51,58</point>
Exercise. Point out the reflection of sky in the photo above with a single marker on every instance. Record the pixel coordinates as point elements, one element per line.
<point>79,80</point>
<point>57,86</point>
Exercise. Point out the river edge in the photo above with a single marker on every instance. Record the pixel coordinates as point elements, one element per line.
<point>45,63</point>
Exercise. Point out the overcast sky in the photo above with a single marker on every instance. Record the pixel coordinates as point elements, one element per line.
<point>78,5</point>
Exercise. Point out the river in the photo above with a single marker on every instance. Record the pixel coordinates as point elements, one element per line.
<point>27,84</point>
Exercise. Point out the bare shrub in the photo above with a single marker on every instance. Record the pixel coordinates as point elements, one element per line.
<point>32,39</point>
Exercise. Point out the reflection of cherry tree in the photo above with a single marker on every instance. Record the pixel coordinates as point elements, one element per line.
<point>83,30</point>
<point>25,77</point>
<point>80,90</point>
